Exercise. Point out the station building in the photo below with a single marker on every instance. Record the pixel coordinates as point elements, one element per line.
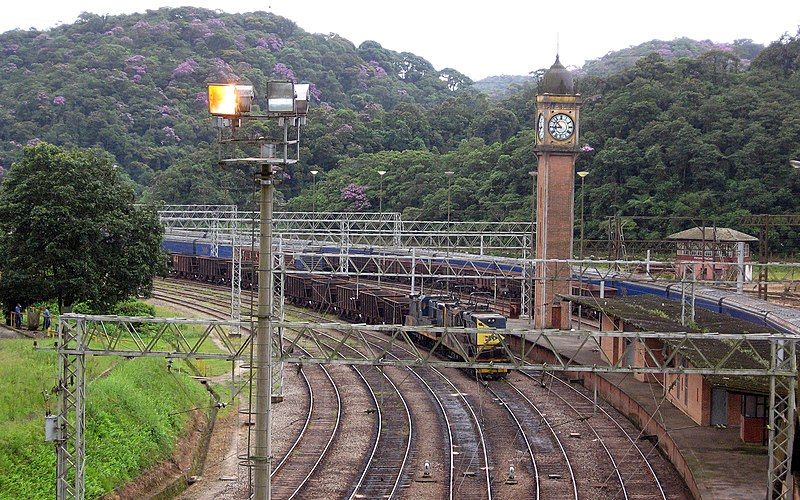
<point>735,402</point>
<point>711,253</point>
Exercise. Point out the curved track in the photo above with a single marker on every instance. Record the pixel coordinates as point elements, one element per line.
<point>305,455</point>
<point>610,465</point>
<point>631,467</point>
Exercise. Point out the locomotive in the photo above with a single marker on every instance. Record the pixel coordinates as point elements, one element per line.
<point>448,311</point>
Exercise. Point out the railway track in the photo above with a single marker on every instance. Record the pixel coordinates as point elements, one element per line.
<point>469,462</point>
<point>387,462</point>
<point>469,457</point>
<point>610,464</point>
<point>321,427</point>
<point>383,470</point>
<point>628,473</point>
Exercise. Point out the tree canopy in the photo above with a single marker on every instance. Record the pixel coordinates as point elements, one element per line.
<point>674,128</point>
<point>69,231</point>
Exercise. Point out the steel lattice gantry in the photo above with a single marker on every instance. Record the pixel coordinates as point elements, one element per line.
<point>81,336</point>
<point>214,222</point>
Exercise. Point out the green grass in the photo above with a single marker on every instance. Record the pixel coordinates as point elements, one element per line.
<point>207,367</point>
<point>779,273</point>
<point>134,416</point>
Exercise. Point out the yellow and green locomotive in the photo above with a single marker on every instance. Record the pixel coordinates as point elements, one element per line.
<point>447,311</point>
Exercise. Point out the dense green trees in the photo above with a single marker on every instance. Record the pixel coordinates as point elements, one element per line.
<point>692,128</point>
<point>69,231</point>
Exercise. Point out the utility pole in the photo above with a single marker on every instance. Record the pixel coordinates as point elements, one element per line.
<point>381,173</point>
<point>263,449</point>
<point>314,192</point>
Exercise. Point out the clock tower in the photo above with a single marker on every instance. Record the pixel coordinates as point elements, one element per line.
<point>557,136</point>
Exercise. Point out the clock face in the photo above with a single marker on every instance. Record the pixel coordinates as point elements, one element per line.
<point>561,127</point>
<point>540,127</point>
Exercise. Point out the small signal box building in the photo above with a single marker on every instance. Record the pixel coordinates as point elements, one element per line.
<point>711,253</point>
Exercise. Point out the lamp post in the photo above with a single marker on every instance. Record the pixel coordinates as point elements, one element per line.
<point>449,175</point>
<point>582,174</point>
<point>381,173</point>
<point>229,105</point>
<point>314,191</point>
<point>533,174</point>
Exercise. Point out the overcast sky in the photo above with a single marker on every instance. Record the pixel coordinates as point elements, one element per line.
<point>479,38</point>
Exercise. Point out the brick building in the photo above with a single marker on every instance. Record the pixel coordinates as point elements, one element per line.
<point>711,253</point>
<point>739,402</point>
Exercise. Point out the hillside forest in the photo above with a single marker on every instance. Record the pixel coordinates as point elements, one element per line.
<point>671,129</point>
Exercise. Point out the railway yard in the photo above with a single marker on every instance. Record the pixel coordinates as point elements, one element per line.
<point>368,432</point>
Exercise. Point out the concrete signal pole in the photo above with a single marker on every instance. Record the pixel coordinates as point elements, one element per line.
<point>263,448</point>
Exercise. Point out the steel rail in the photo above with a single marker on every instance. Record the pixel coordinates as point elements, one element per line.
<point>524,437</point>
<point>380,434</point>
<point>555,437</point>
<point>448,425</point>
<point>468,406</point>
<point>624,432</point>
<point>600,440</point>
<point>303,434</point>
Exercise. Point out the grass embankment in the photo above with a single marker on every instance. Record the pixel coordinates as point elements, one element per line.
<point>134,415</point>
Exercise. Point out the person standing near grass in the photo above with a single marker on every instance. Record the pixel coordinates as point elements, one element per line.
<point>46,319</point>
<point>18,316</point>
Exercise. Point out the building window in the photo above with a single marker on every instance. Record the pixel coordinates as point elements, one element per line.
<point>754,406</point>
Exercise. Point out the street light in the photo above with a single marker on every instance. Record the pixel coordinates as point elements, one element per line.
<point>228,100</point>
<point>449,175</point>
<point>229,104</point>
<point>381,173</point>
<point>533,174</point>
<point>314,191</point>
<point>582,174</point>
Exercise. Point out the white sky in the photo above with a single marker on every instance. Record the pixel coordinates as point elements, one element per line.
<point>479,38</point>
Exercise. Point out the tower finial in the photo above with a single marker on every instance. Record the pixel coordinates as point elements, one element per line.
<point>558,43</point>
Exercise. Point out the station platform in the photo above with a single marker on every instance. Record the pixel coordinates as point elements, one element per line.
<point>714,462</point>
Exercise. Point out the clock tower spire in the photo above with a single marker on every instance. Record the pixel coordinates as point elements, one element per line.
<point>557,132</point>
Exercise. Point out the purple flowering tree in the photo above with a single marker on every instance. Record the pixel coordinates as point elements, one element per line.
<point>170,137</point>
<point>59,100</point>
<point>356,195</point>
<point>224,71</point>
<point>587,148</point>
<point>187,67</point>
<point>377,70</point>
<point>344,129</point>
<point>272,42</point>
<point>315,92</point>
<point>285,71</point>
